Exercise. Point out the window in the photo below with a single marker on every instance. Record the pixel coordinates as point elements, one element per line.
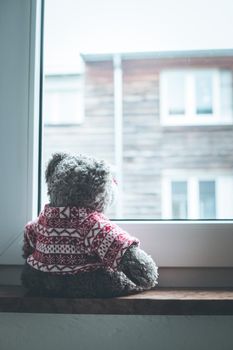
<point>128,98</point>
<point>191,194</point>
<point>148,148</point>
<point>176,93</point>
<point>63,100</point>
<point>196,97</point>
<point>179,199</point>
<point>204,93</point>
<point>207,200</point>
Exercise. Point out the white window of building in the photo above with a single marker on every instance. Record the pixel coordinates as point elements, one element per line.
<point>196,97</point>
<point>63,100</point>
<point>187,195</point>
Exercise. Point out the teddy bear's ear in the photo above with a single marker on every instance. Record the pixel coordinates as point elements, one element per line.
<point>53,162</point>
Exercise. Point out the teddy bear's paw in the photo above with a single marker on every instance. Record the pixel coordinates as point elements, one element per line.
<point>140,268</point>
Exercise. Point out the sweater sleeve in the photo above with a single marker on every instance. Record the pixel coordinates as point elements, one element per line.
<point>29,244</point>
<point>111,243</point>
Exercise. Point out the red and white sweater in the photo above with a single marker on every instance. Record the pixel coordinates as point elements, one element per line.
<point>69,240</point>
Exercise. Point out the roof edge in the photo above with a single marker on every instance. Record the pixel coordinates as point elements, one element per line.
<point>93,57</point>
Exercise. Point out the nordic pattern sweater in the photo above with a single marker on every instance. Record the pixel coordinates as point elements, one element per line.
<point>69,240</point>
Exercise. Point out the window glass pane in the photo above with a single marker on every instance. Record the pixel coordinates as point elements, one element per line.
<point>179,200</point>
<point>207,199</point>
<point>226,91</point>
<point>103,65</point>
<point>63,100</point>
<point>176,93</point>
<point>204,92</point>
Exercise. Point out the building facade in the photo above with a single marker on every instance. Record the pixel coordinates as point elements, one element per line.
<point>163,121</point>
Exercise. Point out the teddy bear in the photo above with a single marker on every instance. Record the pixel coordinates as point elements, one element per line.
<point>72,249</point>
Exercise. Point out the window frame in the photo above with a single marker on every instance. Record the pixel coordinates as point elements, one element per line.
<point>21,75</point>
<point>171,243</point>
<point>190,117</point>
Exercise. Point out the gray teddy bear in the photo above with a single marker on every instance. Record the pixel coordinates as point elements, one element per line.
<point>72,249</point>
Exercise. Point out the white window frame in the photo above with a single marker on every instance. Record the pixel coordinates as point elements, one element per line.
<point>172,244</point>
<point>190,116</point>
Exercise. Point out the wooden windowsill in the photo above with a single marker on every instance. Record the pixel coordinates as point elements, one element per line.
<point>161,301</point>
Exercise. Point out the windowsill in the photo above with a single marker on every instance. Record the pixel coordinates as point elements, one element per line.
<point>161,301</point>
<point>198,122</point>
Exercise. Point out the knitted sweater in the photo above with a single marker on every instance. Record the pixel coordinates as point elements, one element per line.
<point>69,240</point>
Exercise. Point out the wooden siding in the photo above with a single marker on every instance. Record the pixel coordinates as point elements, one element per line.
<point>148,147</point>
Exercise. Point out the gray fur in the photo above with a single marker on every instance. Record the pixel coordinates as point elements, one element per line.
<point>79,181</point>
<point>139,267</point>
<point>95,284</point>
<point>83,181</point>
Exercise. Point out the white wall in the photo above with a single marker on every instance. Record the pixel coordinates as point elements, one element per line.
<point>60,332</point>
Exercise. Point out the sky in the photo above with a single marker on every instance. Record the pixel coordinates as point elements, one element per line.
<point>105,26</point>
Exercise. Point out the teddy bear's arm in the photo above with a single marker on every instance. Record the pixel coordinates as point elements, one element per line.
<point>29,242</point>
<point>139,267</point>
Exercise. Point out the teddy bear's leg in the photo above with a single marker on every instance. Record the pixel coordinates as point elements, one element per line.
<point>41,283</point>
<point>100,283</point>
<point>96,284</point>
<point>115,283</point>
<point>139,267</point>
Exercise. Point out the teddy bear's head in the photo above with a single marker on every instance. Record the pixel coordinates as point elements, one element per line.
<point>79,181</point>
